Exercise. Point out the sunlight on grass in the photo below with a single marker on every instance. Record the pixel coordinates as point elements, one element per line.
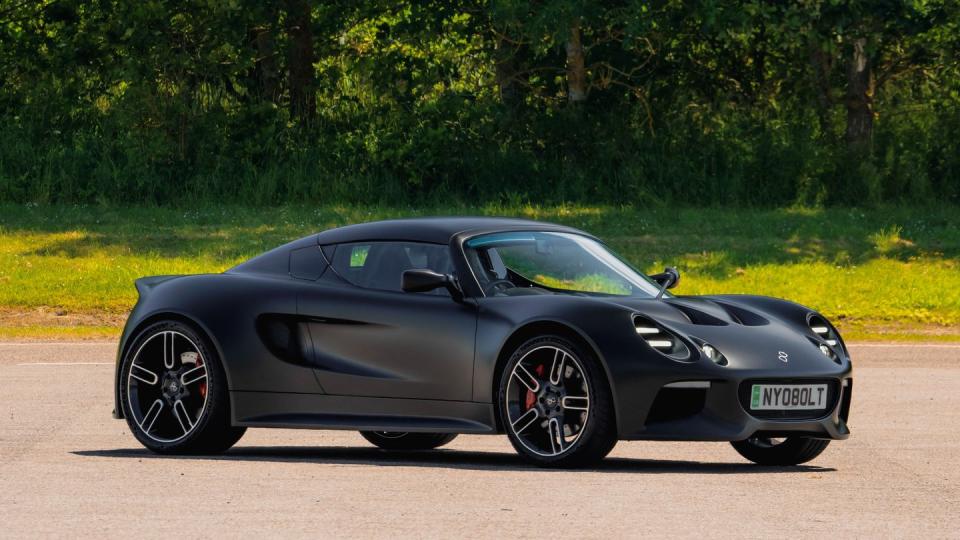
<point>804,211</point>
<point>880,290</point>
<point>888,239</point>
<point>866,270</point>
<point>36,332</point>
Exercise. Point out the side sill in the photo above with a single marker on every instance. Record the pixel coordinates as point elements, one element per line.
<point>321,411</point>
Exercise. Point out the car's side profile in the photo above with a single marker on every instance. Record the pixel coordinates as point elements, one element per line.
<point>413,331</point>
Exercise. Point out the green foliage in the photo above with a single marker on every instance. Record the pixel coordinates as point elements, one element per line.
<point>713,103</point>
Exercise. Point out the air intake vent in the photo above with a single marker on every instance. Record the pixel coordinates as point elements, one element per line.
<point>672,404</point>
<point>743,316</point>
<point>661,339</point>
<point>698,317</point>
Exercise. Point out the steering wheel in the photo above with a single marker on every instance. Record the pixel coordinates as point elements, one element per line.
<point>493,285</point>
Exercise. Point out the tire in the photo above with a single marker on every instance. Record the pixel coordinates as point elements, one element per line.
<point>407,441</point>
<point>791,451</point>
<point>570,395</point>
<point>173,368</point>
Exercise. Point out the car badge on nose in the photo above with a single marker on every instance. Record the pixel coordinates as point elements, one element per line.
<point>783,356</point>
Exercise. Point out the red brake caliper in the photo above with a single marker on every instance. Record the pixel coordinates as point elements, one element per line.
<point>203,383</point>
<point>531,399</point>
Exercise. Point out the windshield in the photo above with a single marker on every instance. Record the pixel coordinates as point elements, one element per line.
<point>517,263</point>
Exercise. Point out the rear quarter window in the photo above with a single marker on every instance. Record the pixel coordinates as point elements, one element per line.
<point>307,263</point>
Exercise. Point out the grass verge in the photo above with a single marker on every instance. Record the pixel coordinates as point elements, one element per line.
<point>889,273</point>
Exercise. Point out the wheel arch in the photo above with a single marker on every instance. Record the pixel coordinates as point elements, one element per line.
<point>531,330</point>
<point>166,315</point>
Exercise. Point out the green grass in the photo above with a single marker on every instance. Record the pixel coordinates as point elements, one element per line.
<point>41,332</point>
<point>889,273</point>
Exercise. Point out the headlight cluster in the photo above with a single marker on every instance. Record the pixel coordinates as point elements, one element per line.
<point>660,339</point>
<point>824,332</point>
<point>828,342</point>
<point>665,342</point>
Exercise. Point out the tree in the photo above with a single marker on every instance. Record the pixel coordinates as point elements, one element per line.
<point>874,43</point>
<point>588,45</point>
<point>300,59</point>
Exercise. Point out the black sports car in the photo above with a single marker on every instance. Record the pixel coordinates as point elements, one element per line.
<point>412,331</point>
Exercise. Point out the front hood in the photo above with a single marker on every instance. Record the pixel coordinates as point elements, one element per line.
<point>752,332</point>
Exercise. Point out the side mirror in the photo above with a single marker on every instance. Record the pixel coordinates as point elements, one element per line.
<point>667,279</point>
<point>423,280</point>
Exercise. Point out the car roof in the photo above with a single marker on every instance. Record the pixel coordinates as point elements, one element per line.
<point>438,230</point>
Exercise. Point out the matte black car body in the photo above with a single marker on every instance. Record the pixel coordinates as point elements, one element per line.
<point>302,349</point>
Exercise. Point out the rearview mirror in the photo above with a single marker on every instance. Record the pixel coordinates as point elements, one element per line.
<point>424,280</point>
<point>667,279</point>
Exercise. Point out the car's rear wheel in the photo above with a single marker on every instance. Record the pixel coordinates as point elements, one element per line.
<point>173,392</point>
<point>555,404</point>
<point>780,451</point>
<point>399,440</point>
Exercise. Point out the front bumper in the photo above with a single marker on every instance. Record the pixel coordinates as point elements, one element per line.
<point>708,403</point>
<point>717,414</point>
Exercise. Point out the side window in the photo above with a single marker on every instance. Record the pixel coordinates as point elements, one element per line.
<point>307,263</point>
<point>380,265</point>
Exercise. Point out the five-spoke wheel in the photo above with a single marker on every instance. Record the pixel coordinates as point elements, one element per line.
<point>555,404</point>
<point>173,392</point>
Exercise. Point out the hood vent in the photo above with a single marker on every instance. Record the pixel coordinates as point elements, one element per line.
<point>742,316</point>
<point>696,316</point>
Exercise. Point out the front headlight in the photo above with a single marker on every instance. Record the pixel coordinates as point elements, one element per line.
<point>660,339</point>
<point>713,354</point>
<point>826,338</point>
<point>823,330</point>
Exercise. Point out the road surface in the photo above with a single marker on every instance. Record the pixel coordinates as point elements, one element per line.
<point>68,468</point>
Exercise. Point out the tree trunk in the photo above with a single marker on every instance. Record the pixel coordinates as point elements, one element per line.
<point>265,68</point>
<point>860,89</point>
<point>300,57</point>
<point>759,62</point>
<point>576,70</point>
<point>822,65</point>
<point>506,73</point>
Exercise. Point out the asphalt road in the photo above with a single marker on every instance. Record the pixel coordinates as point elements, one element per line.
<point>68,469</point>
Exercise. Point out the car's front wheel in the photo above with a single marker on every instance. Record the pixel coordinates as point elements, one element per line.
<point>780,451</point>
<point>399,440</point>
<point>173,392</point>
<point>555,404</point>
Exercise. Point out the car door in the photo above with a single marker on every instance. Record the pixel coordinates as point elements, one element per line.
<point>371,339</point>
